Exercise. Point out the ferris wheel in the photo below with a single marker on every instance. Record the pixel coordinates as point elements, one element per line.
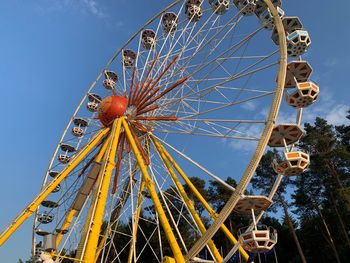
<point>190,74</point>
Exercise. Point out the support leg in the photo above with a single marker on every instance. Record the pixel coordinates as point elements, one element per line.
<point>137,217</point>
<point>187,201</point>
<point>74,210</point>
<point>30,209</point>
<point>157,204</point>
<point>206,205</point>
<point>67,221</point>
<point>108,165</point>
<point>116,212</point>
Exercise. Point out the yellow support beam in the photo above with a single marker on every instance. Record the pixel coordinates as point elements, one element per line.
<point>136,223</point>
<point>102,151</point>
<point>30,209</point>
<point>187,200</point>
<point>73,212</point>
<point>88,218</point>
<point>67,221</point>
<point>108,165</point>
<point>157,204</point>
<point>138,212</point>
<point>168,260</point>
<point>206,205</point>
<point>113,217</point>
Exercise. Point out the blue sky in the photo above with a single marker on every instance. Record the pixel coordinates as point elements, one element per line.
<point>51,50</point>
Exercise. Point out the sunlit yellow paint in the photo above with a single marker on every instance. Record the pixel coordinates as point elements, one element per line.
<point>108,165</point>
<point>206,205</point>
<point>136,223</point>
<point>72,213</point>
<point>108,230</point>
<point>30,209</point>
<point>187,200</point>
<point>168,260</point>
<point>153,193</point>
<point>67,221</point>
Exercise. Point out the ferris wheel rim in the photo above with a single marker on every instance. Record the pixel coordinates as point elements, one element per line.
<point>116,54</point>
<point>249,172</point>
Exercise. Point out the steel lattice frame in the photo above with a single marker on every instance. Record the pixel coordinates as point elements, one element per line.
<point>195,88</point>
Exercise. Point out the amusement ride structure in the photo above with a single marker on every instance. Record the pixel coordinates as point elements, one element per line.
<point>192,70</point>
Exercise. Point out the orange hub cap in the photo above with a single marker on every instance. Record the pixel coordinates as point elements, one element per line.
<point>111,108</point>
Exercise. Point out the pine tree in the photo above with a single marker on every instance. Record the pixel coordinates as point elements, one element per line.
<point>330,168</point>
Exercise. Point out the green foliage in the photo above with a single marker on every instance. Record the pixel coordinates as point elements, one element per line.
<point>200,186</point>
<point>321,199</point>
<point>218,194</point>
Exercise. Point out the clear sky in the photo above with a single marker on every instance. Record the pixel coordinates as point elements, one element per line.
<point>51,50</point>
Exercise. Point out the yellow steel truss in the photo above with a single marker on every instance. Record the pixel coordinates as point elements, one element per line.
<point>73,212</point>
<point>136,223</point>
<point>153,193</point>
<point>108,165</point>
<point>126,189</point>
<point>30,209</point>
<point>187,200</point>
<point>108,153</point>
<point>206,205</point>
<point>67,221</point>
<point>88,218</point>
